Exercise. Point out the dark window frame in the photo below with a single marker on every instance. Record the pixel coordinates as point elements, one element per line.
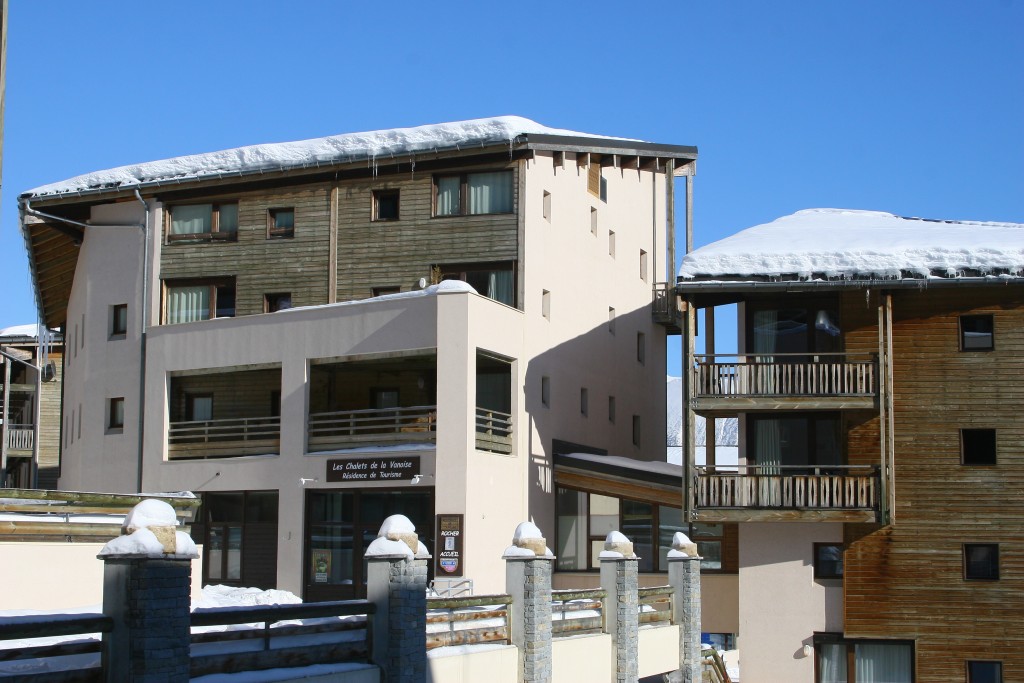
<point>272,301</point>
<point>378,195</point>
<point>190,397</point>
<point>974,448</point>
<point>463,208</point>
<point>113,423</point>
<point>819,571</point>
<point>820,639</point>
<point>461,271</point>
<point>992,574</point>
<point>976,318</point>
<point>275,232</point>
<point>215,234</point>
<point>970,675</point>
<point>118,321</point>
<point>384,290</point>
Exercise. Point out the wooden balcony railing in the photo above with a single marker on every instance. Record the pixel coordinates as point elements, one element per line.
<point>20,438</point>
<point>223,438</point>
<point>340,428</point>
<point>493,430</point>
<point>785,374</point>
<point>849,487</point>
<point>665,306</point>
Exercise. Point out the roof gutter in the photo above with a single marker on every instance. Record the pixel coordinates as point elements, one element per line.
<point>695,287</point>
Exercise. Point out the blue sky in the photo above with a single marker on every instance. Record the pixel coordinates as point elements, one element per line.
<point>915,107</point>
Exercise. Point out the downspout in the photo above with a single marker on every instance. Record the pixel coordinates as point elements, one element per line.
<point>142,335</point>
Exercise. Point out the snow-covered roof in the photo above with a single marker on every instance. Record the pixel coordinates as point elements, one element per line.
<point>20,331</point>
<point>840,244</point>
<point>371,146</point>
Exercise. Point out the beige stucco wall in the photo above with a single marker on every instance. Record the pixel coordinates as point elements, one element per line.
<point>582,658</point>
<point>109,272</point>
<point>468,665</point>
<point>659,650</point>
<point>719,602</point>
<point>781,605</point>
<point>56,576</point>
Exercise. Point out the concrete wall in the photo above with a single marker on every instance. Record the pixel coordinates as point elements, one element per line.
<point>659,650</point>
<point>98,368</point>
<point>56,576</point>
<point>583,658</point>
<point>781,605</point>
<point>494,664</point>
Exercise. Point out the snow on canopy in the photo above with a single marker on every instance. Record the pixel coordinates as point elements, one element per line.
<point>20,331</point>
<point>372,145</point>
<point>840,243</point>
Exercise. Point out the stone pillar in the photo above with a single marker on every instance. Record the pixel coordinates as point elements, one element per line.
<point>149,601</point>
<point>528,565</point>
<point>684,577</point>
<point>396,583</point>
<point>619,577</point>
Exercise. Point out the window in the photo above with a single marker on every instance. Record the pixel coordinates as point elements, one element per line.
<point>869,661</point>
<point>238,530</point>
<point>545,303</point>
<point>198,407</point>
<point>984,672</point>
<point>391,289</point>
<point>473,193</point>
<point>641,348</point>
<point>976,333</point>
<point>611,320</point>
<point>115,414</point>
<point>280,223</point>
<point>611,409</point>
<point>981,561</point>
<point>384,398</point>
<point>198,222</point>
<point>643,265</point>
<point>385,205</point>
<point>828,560</point>
<point>584,402</point>
<point>493,280</point>
<point>118,320</point>
<point>636,430</point>
<point>978,446</point>
<point>277,302</point>
<point>545,391</point>
<point>594,175</point>
<point>189,301</point>
<point>546,206</point>
<point>593,221</point>
<point>611,243</point>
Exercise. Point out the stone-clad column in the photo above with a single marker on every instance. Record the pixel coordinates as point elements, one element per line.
<point>619,577</point>
<point>147,586</point>
<point>528,564</point>
<point>396,583</point>
<point>684,577</point>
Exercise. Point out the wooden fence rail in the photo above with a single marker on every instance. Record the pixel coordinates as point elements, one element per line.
<point>468,620</point>
<point>774,487</point>
<point>577,612</point>
<point>656,605</point>
<point>777,375</point>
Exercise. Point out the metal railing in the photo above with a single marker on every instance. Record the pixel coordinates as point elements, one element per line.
<point>81,625</point>
<point>785,374</point>
<point>784,487</point>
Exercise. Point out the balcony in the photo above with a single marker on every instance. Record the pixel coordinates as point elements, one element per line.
<point>840,493</point>
<point>20,439</point>
<point>375,426</point>
<point>223,438</point>
<point>666,308</point>
<point>783,381</point>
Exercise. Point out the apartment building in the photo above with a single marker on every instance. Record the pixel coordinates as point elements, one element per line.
<point>878,495</point>
<point>314,335</point>
<point>30,392</point>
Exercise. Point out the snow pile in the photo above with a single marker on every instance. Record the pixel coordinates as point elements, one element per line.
<point>617,547</point>
<point>528,541</point>
<point>839,243</point>
<point>682,546</point>
<point>149,532</point>
<point>397,537</point>
<point>349,147</point>
<point>232,596</point>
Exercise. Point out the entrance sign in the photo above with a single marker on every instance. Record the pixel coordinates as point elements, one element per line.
<point>373,469</point>
<point>449,546</point>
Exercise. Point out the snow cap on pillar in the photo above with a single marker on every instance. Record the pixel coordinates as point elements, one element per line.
<point>397,538</point>
<point>149,531</point>
<point>617,547</point>
<point>528,542</point>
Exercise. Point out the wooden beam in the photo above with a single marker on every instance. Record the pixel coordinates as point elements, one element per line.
<point>761,515</point>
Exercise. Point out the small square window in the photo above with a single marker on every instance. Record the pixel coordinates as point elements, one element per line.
<point>545,391</point>
<point>611,243</point>
<point>636,430</point>
<point>611,320</point>
<point>281,223</point>
<point>118,320</point>
<point>593,221</point>
<point>976,333</point>
<point>978,446</point>
<point>641,348</point>
<point>828,560</point>
<point>385,205</point>
<point>984,672</point>
<point>277,302</point>
<point>390,289</point>
<point>584,402</point>
<point>643,265</point>
<point>546,206</point>
<point>545,304</point>
<point>611,409</point>
<point>115,413</point>
<point>981,561</point>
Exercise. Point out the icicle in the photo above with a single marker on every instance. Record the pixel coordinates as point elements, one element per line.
<point>412,167</point>
<point>867,298</point>
<point>510,143</point>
